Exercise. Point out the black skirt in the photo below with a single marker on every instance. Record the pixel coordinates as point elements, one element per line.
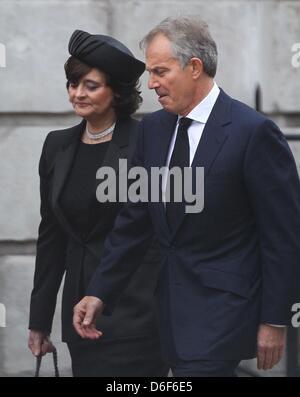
<point>128,357</point>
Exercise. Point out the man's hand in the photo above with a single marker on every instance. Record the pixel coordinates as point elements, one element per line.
<point>270,345</point>
<point>39,343</point>
<point>84,318</point>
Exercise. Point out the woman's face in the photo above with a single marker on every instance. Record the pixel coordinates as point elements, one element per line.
<point>91,97</point>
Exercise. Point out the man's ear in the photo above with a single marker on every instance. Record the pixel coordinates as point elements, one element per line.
<point>196,67</point>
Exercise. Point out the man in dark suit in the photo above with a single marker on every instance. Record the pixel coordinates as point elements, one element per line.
<point>231,272</point>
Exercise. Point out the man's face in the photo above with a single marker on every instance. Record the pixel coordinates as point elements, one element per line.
<point>174,86</point>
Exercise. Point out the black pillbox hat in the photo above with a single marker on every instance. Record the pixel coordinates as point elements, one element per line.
<point>107,54</point>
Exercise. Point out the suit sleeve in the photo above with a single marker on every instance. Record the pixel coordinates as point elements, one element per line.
<point>50,258</point>
<point>273,184</point>
<point>125,246</point>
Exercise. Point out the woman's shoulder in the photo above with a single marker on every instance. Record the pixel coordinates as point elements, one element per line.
<point>58,139</point>
<point>63,136</point>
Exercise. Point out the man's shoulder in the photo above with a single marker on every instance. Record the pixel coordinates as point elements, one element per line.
<point>243,113</point>
<point>158,116</point>
<point>252,122</point>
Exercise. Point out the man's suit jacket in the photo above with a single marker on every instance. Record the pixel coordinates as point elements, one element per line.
<point>60,250</point>
<point>235,264</point>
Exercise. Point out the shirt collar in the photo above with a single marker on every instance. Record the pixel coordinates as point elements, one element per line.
<point>202,111</point>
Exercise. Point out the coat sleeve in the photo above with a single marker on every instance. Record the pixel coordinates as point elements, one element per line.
<point>50,257</point>
<point>273,184</point>
<point>125,246</point>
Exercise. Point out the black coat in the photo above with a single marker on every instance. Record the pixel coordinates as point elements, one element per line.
<point>60,250</point>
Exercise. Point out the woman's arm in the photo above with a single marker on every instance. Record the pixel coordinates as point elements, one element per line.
<point>50,257</point>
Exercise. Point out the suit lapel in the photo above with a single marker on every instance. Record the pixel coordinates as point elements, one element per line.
<point>211,142</point>
<point>167,127</point>
<point>166,130</point>
<point>214,133</point>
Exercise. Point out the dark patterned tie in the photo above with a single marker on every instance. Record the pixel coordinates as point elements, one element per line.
<point>180,158</point>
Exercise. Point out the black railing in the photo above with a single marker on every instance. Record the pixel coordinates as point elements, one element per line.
<point>292,137</point>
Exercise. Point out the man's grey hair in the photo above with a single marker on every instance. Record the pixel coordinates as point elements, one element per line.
<point>189,37</point>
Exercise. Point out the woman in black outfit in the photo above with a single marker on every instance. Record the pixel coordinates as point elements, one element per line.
<point>102,77</point>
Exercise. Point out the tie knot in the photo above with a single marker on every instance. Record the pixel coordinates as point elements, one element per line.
<point>184,123</point>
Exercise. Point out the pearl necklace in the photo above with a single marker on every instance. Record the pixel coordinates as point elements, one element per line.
<point>101,134</point>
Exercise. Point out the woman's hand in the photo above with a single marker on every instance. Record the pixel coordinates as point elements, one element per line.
<point>39,343</point>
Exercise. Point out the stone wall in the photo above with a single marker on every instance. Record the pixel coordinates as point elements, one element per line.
<point>254,40</point>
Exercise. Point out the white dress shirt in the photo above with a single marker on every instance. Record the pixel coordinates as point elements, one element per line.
<point>199,115</point>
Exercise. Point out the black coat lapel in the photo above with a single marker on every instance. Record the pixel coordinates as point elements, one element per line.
<point>62,167</point>
<point>120,147</point>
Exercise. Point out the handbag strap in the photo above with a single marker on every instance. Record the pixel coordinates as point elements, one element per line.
<point>39,362</point>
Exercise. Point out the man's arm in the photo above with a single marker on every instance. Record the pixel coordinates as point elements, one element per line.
<point>85,314</point>
<point>273,185</point>
<point>124,250</point>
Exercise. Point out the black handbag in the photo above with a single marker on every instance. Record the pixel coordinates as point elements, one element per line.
<point>39,362</point>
